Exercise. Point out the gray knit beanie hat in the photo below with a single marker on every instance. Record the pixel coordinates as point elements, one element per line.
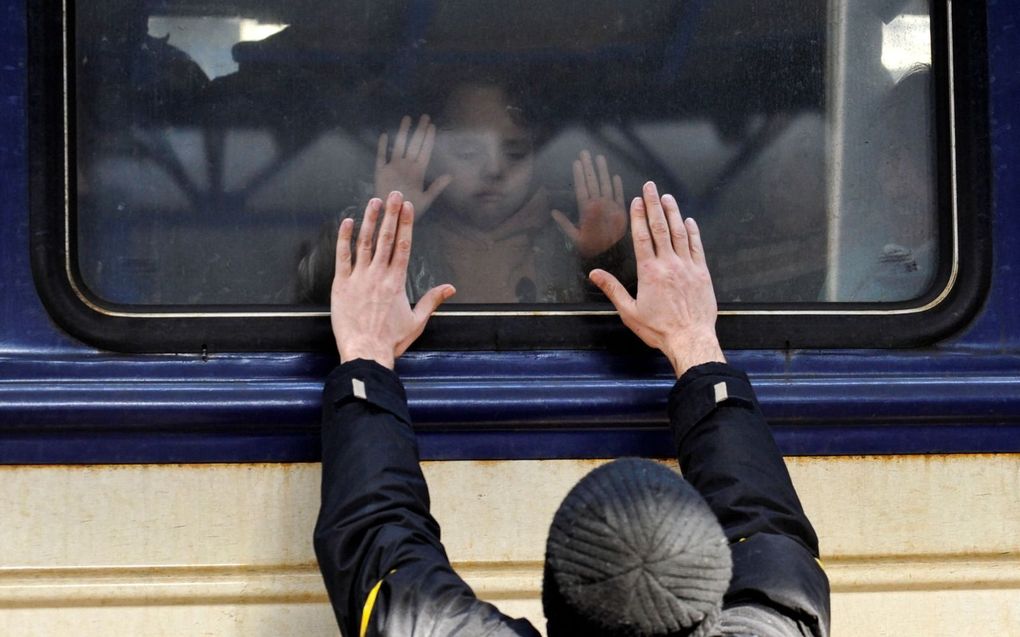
<point>635,550</point>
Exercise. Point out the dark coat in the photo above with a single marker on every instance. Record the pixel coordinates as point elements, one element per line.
<point>379,547</point>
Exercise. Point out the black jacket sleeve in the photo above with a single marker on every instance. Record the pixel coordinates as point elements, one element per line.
<point>727,452</point>
<point>374,530</point>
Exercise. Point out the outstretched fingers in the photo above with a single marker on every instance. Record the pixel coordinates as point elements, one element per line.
<point>428,143</point>
<point>380,151</point>
<point>677,230</point>
<point>618,190</point>
<point>402,245</point>
<point>615,292</point>
<point>418,138</point>
<point>388,230</point>
<point>568,228</point>
<point>590,179</point>
<point>694,241</point>
<point>580,187</point>
<point>400,141</point>
<point>605,182</point>
<point>643,248</point>
<point>430,302</point>
<point>343,248</point>
<point>365,234</point>
<point>435,189</point>
<point>657,224</point>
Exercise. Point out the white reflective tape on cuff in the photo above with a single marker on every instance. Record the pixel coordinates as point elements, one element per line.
<point>721,393</point>
<point>358,387</point>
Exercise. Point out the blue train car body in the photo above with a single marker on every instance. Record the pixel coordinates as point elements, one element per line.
<point>64,401</point>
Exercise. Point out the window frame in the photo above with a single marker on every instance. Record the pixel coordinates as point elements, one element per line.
<point>964,190</point>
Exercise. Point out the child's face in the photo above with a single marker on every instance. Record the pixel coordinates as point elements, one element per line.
<point>487,153</point>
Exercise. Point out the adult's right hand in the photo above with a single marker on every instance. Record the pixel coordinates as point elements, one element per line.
<point>403,169</point>
<point>675,309</point>
<point>369,310</point>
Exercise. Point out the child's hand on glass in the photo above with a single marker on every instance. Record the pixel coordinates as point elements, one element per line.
<point>403,169</point>
<point>602,214</point>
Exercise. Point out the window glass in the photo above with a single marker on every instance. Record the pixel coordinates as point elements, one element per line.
<point>219,142</point>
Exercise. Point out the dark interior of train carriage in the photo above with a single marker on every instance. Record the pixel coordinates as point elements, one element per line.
<point>215,139</point>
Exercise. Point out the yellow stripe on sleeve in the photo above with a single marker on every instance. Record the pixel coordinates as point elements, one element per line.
<point>366,612</point>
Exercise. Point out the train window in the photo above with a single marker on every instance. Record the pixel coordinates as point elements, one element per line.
<point>212,147</point>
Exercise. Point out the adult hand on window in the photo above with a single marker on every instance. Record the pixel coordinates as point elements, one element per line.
<point>675,308</point>
<point>369,310</point>
<point>602,214</point>
<point>404,169</point>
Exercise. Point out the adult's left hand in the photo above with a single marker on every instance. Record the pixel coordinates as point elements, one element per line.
<point>602,214</point>
<point>369,309</point>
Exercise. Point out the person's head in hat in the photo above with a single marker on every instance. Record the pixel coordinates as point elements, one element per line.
<point>635,551</point>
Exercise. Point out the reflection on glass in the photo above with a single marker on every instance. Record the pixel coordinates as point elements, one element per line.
<point>885,230</point>
<point>896,253</point>
<point>906,43</point>
<point>219,143</point>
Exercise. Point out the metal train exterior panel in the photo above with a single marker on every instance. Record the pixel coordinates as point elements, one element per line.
<point>175,493</point>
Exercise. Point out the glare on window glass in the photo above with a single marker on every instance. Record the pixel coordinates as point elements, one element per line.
<point>218,144</point>
<point>882,230</point>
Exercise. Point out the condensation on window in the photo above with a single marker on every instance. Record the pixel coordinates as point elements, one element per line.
<point>219,143</point>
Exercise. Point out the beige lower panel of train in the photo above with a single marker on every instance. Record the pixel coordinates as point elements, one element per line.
<point>914,545</point>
